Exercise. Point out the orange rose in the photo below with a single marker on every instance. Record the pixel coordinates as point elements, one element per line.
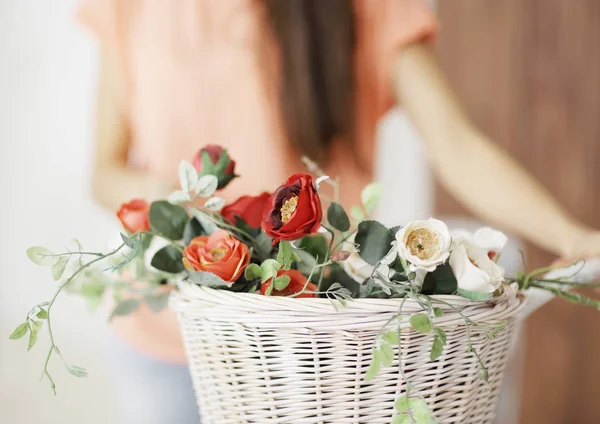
<point>134,215</point>
<point>220,254</point>
<point>297,282</point>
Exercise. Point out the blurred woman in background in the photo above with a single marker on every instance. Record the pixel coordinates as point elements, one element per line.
<point>271,80</point>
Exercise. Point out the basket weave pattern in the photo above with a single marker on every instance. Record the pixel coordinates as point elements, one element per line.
<point>257,359</point>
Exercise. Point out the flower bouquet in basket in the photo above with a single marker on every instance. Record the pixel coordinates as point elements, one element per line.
<point>292,311</point>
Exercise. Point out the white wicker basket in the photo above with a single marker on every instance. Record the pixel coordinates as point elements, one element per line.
<point>258,359</point>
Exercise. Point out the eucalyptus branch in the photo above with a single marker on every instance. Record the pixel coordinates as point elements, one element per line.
<point>468,322</point>
<point>53,346</point>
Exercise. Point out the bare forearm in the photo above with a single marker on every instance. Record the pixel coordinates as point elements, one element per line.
<point>471,167</point>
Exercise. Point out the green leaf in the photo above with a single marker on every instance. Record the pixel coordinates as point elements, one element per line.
<point>441,334</point>
<point>419,410</point>
<point>286,255</point>
<point>402,404</point>
<point>269,268</point>
<point>357,213</point>
<point>337,217</point>
<point>281,282</point>
<point>263,245</point>
<point>252,272</point>
<point>575,297</point>
<point>20,331</point>
<point>193,229</point>
<point>402,419</point>
<point>129,242</point>
<point>305,261</point>
<point>36,325</point>
<point>179,196</point>
<point>370,196</point>
<point>374,241</point>
<point>58,269</point>
<point>33,336</point>
<point>41,256</point>
<point>373,368</point>
<point>76,371</point>
<point>125,307</point>
<point>208,279</point>
<point>436,349</point>
<point>214,203</point>
<point>479,297</point>
<point>315,245</point>
<point>157,302</point>
<point>188,176</point>
<point>168,220</point>
<point>391,337</point>
<point>438,312</point>
<point>168,259</point>
<point>445,281</point>
<point>207,185</point>
<point>386,355</point>
<point>42,314</point>
<point>421,323</point>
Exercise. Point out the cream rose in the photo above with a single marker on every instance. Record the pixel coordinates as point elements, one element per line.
<point>473,269</point>
<point>424,244</point>
<point>488,239</point>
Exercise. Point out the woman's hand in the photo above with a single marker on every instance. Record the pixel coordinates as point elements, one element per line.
<point>585,245</point>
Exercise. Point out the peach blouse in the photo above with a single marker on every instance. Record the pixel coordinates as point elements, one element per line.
<point>193,73</point>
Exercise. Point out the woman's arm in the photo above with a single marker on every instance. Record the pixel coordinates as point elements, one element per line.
<point>113,181</point>
<point>475,170</point>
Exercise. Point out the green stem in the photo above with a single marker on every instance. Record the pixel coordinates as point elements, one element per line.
<point>324,264</point>
<point>75,253</point>
<point>326,256</point>
<point>51,303</point>
<point>344,239</point>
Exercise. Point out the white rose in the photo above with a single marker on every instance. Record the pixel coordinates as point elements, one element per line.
<point>424,244</point>
<point>473,269</point>
<point>488,239</point>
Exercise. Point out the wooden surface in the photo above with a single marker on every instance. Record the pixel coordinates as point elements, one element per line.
<point>528,72</point>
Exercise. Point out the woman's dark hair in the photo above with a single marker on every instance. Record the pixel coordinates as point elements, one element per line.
<point>316,40</point>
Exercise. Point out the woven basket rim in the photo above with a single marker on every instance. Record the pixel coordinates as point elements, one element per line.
<point>190,292</point>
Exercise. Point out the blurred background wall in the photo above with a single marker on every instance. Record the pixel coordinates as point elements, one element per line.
<point>528,72</point>
<point>47,90</point>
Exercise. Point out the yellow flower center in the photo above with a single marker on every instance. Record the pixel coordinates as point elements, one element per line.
<point>423,243</point>
<point>288,208</point>
<point>218,253</point>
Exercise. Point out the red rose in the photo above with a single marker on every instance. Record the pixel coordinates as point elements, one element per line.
<point>214,160</point>
<point>134,215</point>
<point>249,208</point>
<point>297,283</point>
<point>220,253</point>
<point>293,211</point>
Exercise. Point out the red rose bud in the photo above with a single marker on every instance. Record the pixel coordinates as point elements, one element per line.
<point>214,160</point>
<point>340,256</point>
<point>248,208</point>
<point>297,283</point>
<point>134,215</point>
<point>293,211</point>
